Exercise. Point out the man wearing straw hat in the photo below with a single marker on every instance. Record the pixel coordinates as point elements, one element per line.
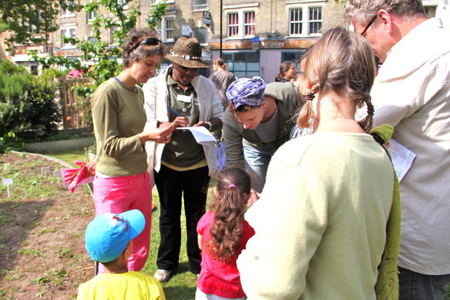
<point>180,96</point>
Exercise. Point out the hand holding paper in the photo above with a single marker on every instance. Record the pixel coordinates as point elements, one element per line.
<point>76,176</point>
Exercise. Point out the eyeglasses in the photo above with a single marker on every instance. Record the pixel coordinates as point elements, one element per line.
<point>363,33</point>
<point>184,69</point>
<point>150,42</point>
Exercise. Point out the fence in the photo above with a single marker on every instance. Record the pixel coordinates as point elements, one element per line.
<point>75,109</point>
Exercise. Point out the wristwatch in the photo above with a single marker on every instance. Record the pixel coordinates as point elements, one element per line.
<point>209,124</point>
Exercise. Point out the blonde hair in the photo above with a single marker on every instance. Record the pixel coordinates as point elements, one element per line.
<point>341,62</point>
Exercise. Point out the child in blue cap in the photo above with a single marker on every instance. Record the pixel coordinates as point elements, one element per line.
<point>108,240</point>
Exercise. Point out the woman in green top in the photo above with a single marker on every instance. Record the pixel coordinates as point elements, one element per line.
<point>321,221</point>
<point>121,181</point>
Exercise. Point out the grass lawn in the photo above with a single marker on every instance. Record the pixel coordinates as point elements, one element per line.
<point>71,156</point>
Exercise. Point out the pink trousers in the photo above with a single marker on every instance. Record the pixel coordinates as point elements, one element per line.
<point>123,193</point>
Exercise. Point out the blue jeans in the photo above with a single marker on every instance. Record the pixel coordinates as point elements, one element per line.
<point>416,286</point>
<point>256,164</point>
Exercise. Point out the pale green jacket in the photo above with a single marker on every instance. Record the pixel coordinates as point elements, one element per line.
<point>321,221</point>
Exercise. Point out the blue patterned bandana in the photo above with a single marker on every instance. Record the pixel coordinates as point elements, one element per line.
<point>246,91</point>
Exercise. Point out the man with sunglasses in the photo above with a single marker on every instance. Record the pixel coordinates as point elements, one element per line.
<point>412,93</point>
<point>182,169</point>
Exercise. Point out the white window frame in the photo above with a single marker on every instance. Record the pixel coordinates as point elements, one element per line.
<point>124,3</point>
<point>241,26</point>
<point>66,13</point>
<point>199,7</point>
<point>164,29</point>
<point>90,17</point>
<point>154,2</point>
<point>67,30</point>
<point>305,8</point>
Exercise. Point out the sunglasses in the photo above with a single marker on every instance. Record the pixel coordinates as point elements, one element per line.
<point>363,33</point>
<point>150,42</point>
<point>147,42</point>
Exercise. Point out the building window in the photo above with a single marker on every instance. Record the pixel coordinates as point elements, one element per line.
<point>242,64</point>
<point>123,3</point>
<point>314,20</point>
<point>430,11</point>
<point>233,24</point>
<point>249,23</point>
<point>90,16</point>
<point>241,24</point>
<point>295,21</point>
<point>199,4</point>
<point>168,29</point>
<point>305,20</point>
<point>66,12</point>
<point>68,32</point>
<point>154,2</point>
<point>293,56</point>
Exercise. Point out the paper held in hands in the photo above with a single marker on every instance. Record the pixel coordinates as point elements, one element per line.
<point>201,134</point>
<point>402,158</point>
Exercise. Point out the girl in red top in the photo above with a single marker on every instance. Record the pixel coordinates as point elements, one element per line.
<point>222,234</point>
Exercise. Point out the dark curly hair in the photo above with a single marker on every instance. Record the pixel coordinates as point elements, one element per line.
<point>229,204</point>
<point>133,52</point>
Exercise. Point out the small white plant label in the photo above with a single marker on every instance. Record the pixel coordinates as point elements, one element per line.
<point>7,182</point>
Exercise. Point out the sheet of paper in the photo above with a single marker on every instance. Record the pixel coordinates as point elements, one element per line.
<point>402,158</point>
<point>201,134</point>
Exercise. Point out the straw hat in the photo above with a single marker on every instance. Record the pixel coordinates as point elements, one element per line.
<point>187,53</point>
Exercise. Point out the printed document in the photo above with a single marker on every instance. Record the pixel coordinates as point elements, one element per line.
<point>402,158</point>
<point>201,134</point>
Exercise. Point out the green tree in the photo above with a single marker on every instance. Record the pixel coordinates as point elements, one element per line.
<point>103,56</point>
<point>30,21</point>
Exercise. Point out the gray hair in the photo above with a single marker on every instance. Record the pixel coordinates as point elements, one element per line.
<point>363,10</point>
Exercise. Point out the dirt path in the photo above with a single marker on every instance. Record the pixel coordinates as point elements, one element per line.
<point>42,252</point>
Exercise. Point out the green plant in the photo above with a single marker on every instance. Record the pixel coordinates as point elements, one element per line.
<point>103,54</point>
<point>65,253</point>
<point>42,280</point>
<point>30,252</point>
<point>26,102</point>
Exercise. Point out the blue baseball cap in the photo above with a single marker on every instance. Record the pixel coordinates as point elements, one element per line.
<point>108,234</point>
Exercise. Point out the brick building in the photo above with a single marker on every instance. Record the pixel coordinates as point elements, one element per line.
<point>253,37</point>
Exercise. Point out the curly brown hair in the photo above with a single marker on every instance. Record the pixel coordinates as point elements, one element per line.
<point>229,204</point>
<point>133,51</point>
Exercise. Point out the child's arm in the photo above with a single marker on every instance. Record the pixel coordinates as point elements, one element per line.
<point>199,239</point>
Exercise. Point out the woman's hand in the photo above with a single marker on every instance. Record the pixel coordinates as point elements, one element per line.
<point>90,167</point>
<point>162,134</point>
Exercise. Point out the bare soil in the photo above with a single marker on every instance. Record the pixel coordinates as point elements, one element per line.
<point>42,226</point>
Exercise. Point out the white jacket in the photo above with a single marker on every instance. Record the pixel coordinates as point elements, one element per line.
<point>156,100</point>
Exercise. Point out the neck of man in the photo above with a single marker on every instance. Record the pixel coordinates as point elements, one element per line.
<point>270,108</point>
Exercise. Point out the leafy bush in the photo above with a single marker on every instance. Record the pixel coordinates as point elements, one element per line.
<point>26,101</point>
<point>10,142</point>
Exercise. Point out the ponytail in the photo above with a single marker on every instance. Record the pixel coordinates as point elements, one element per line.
<point>229,204</point>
